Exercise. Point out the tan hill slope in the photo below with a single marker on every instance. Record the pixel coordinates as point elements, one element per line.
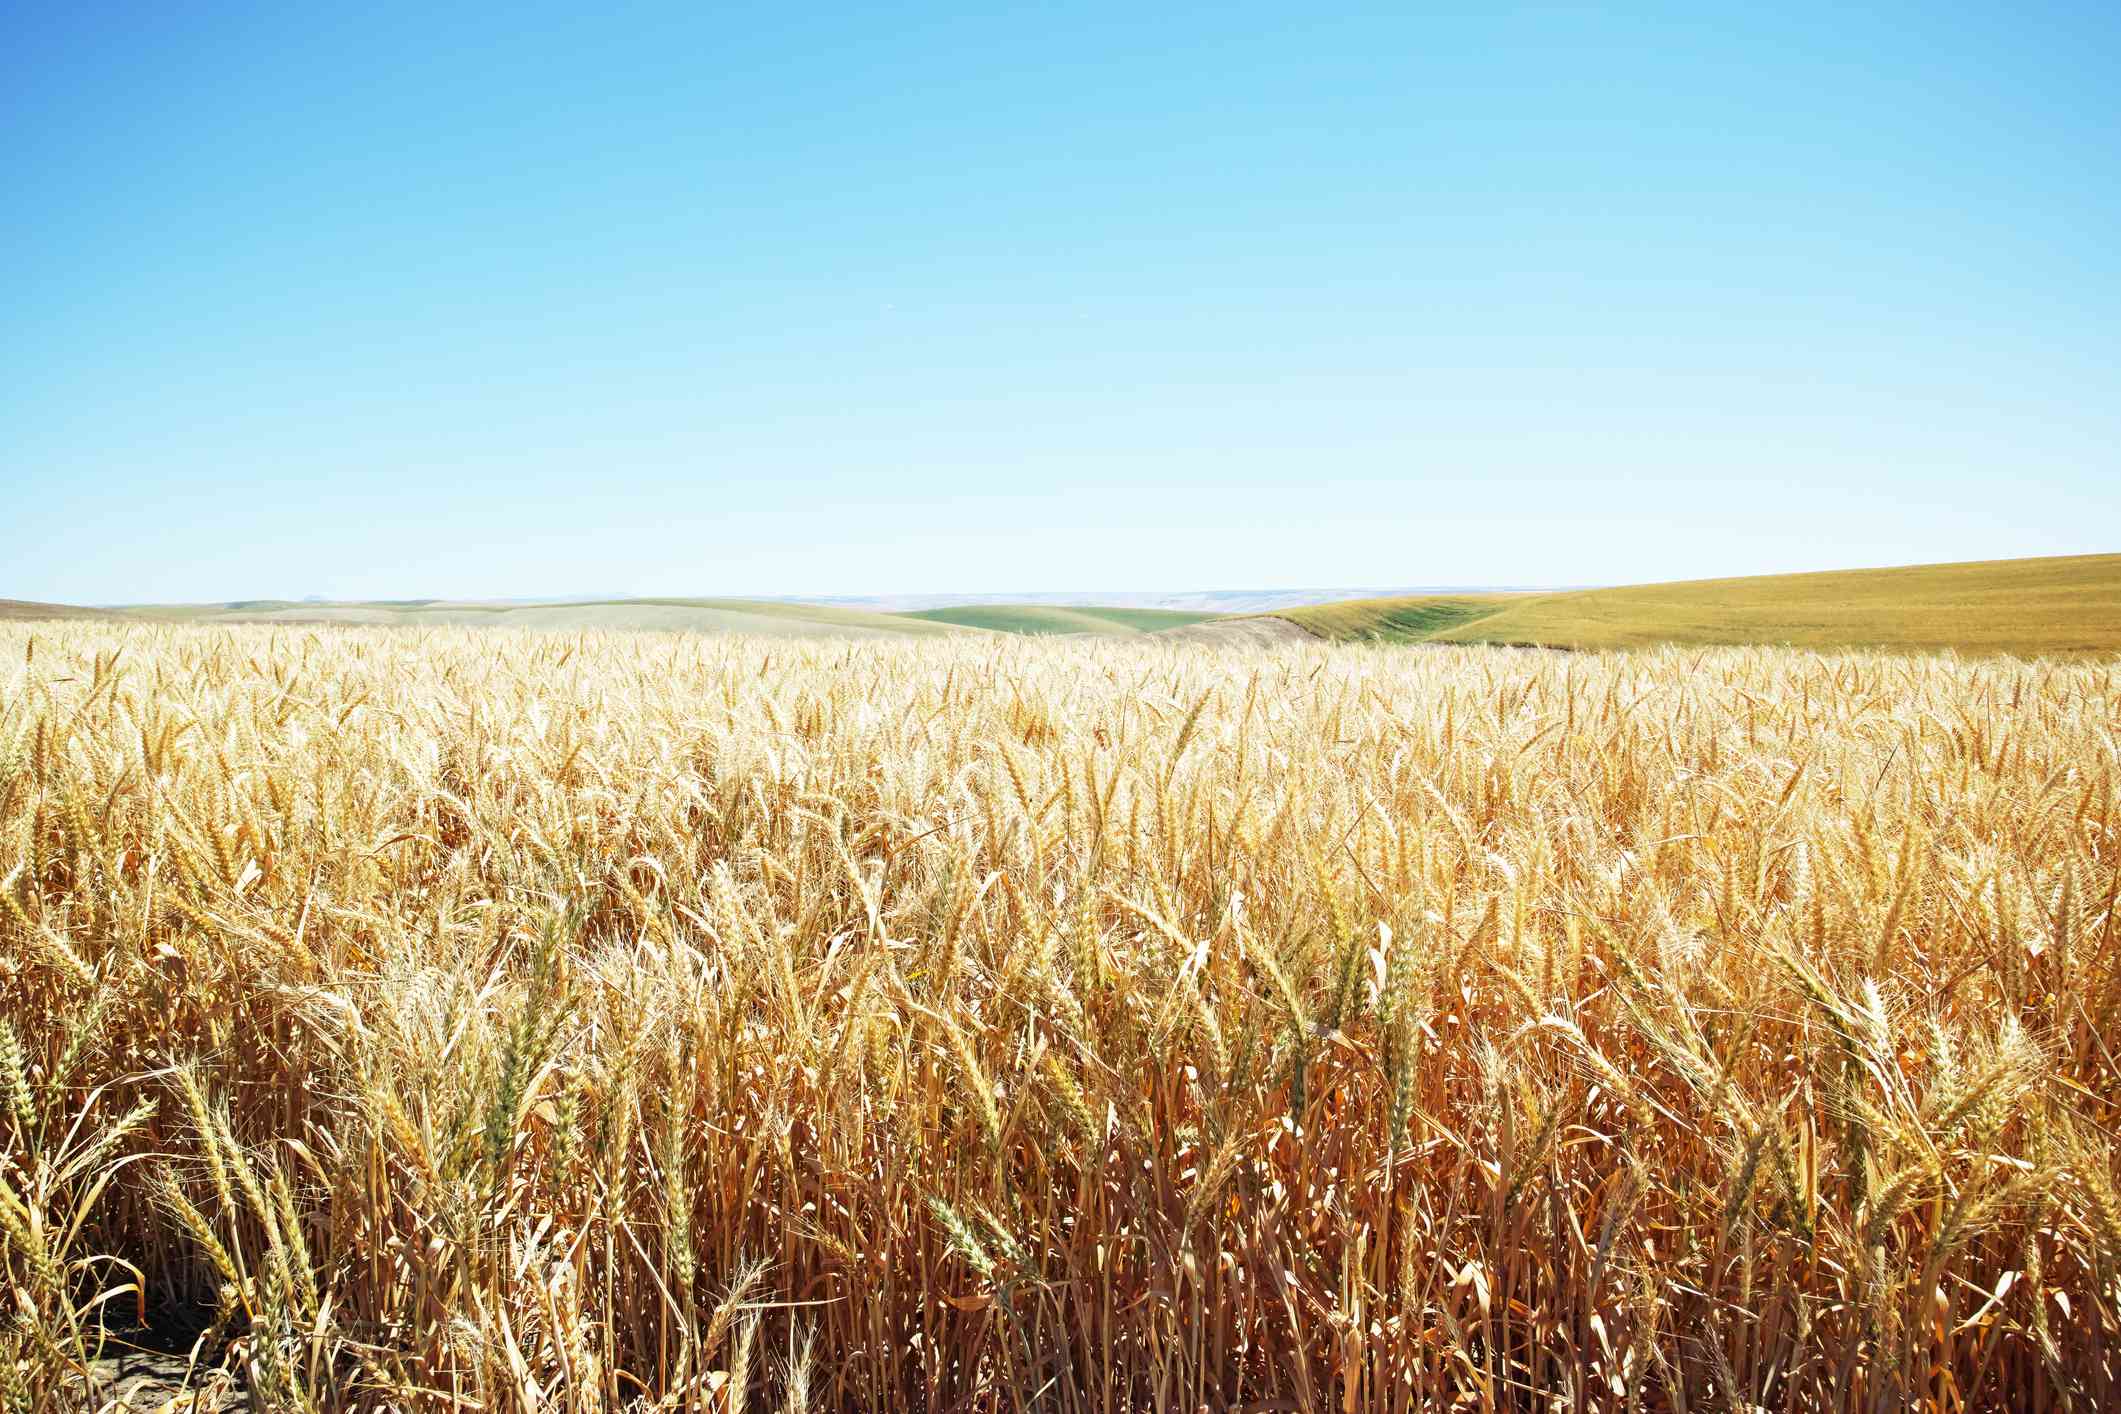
<point>2059,605</point>
<point>20,609</point>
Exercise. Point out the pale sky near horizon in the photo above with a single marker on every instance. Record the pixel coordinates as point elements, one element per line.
<point>402,300</point>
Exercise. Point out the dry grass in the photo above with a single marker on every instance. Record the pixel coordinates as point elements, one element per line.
<point>621,1021</point>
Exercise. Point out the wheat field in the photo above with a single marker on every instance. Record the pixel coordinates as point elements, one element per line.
<point>481,1020</point>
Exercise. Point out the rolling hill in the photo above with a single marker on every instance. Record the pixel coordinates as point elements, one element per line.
<point>1058,619</point>
<point>2057,605</point>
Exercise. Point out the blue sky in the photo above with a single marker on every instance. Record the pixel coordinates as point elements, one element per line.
<point>402,300</point>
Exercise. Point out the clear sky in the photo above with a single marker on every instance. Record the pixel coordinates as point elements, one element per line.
<point>396,300</point>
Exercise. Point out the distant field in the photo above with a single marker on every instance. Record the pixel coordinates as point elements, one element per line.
<point>1211,602</point>
<point>2060,605</point>
<point>695,615</point>
<point>1049,619</point>
<point>1397,620</point>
